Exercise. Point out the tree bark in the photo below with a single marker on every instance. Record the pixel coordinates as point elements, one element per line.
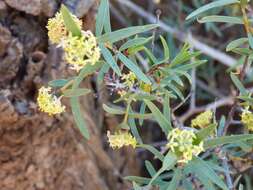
<point>38,151</point>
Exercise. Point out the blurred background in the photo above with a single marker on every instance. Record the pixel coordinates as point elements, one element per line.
<point>38,152</point>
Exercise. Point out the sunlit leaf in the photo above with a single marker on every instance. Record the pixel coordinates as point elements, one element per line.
<point>219,3</point>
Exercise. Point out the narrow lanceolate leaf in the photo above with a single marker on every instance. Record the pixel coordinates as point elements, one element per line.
<point>110,59</point>
<point>69,22</point>
<point>76,92</point>
<point>133,128</point>
<point>150,168</point>
<point>58,82</point>
<point>226,140</point>
<point>250,40</point>
<point>205,132</point>
<point>160,118</point>
<point>121,34</point>
<point>238,84</point>
<point>118,111</point>
<point>166,107</point>
<point>154,151</point>
<point>236,43</point>
<point>78,117</point>
<point>74,102</point>
<point>224,19</point>
<point>113,111</point>
<point>209,6</point>
<point>103,18</point>
<point>142,111</point>
<point>134,68</point>
<point>134,42</point>
<point>166,50</point>
<point>175,180</point>
<point>208,172</point>
<point>168,163</point>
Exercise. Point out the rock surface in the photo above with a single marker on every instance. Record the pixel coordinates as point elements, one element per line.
<point>38,152</point>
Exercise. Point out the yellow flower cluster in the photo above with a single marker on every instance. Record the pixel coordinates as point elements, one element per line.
<point>80,51</point>
<point>202,120</point>
<point>146,87</point>
<point>57,30</point>
<point>120,139</point>
<point>247,119</point>
<point>129,79</point>
<point>181,142</point>
<point>49,103</point>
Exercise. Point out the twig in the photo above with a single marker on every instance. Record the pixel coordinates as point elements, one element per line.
<point>215,54</point>
<point>193,86</point>
<point>214,105</point>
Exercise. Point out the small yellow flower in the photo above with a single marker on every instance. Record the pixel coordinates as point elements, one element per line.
<point>80,51</point>
<point>145,87</point>
<point>181,142</point>
<point>129,79</point>
<point>49,103</point>
<point>120,139</point>
<point>247,119</point>
<point>202,120</point>
<point>56,28</point>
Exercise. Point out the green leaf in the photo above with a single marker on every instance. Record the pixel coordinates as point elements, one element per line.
<point>222,124</point>
<point>134,68</point>
<point>175,180</point>
<point>168,163</point>
<point>76,92</point>
<point>134,43</point>
<point>211,143</point>
<point>205,132</point>
<point>207,171</point>
<point>113,111</point>
<point>243,51</point>
<point>151,149</point>
<point>118,111</point>
<point>150,168</point>
<point>219,3</point>
<point>238,84</point>
<point>224,19</point>
<point>166,107</point>
<point>160,118</point>
<point>142,111</point>
<point>134,129</point>
<point>136,186</point>
<point>109,59</point>
<point>78,117</point>
<point>58,82</point>
<point>184,55</point>
<point>236,43</point>
<point>166,50</point>
<point>137,179</point>
<point>103,18</point>
<point>105,68</point>
<point>121,34</point>
<point>69,22</point>
<point>250,40</point>
<point>143,180</point>
<point>176,90</point>
<point>192,65</point>
<point>74,102</point>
